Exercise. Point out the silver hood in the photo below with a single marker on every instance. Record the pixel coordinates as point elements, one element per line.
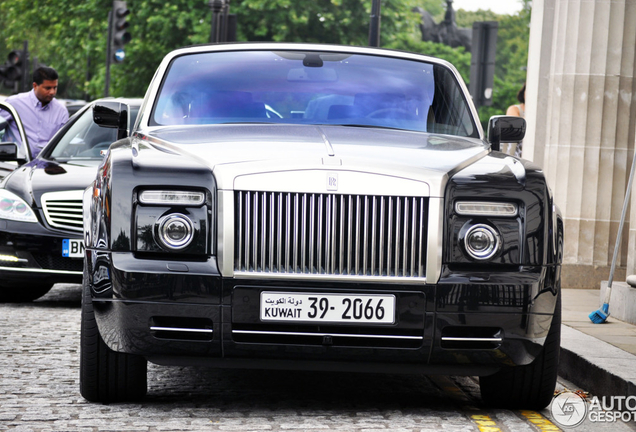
<point>310,158</point>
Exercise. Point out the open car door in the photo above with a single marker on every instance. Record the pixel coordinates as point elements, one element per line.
<point>14,147</point>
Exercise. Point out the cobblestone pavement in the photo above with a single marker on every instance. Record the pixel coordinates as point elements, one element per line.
<point>39,391</point>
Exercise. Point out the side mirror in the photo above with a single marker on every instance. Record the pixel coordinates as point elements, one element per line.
<point>9,152</point>
<point>507,129</point>
<point>112,114</point>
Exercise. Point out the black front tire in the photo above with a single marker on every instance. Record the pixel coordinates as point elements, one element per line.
<point>105,375</point>
<point>23,293</point>
<point>530,386</point>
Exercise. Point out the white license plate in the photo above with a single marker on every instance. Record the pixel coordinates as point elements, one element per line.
<point>317,307</point>
<point>73,248</point>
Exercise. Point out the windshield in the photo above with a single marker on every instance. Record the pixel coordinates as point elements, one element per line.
<point>85,139</point>
<point>312,88</point>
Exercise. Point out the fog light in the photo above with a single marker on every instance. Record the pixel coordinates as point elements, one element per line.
<point>481,242</point>
<point>175,231</point>
<point>13,259</point>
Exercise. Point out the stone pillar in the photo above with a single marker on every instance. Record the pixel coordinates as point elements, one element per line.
<point>630,227</point>
<point>581,127</point>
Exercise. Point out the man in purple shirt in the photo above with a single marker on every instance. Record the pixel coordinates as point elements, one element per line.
<point>42,115</point>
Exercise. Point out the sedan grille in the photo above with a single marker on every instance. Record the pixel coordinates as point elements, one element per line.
<point>357,236</point>
<point>63,209</point>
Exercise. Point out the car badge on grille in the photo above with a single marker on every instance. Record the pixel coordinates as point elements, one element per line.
<point>332,181</point>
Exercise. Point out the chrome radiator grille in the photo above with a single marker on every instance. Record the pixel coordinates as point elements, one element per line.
<point>332,235</point>
<point>63,209</point>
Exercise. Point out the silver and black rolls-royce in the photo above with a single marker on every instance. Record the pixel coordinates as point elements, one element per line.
<point>318,207</point>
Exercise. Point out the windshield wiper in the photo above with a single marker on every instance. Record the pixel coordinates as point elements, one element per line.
<point>352,125</point>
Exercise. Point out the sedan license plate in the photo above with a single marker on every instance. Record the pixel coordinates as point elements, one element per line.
<point>337,308</point>
<point>73,248</point>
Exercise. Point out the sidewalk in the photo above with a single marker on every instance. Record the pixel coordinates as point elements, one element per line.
<point>601,358</point>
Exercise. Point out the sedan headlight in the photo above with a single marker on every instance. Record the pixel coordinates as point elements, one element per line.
<point>12,207</point>
<point>481,242</point>
<point>173,221</point>
<point>175,231</point>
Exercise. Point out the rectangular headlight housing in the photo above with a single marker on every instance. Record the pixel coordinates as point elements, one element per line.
<point>171,197</point>
<point>482,208</point>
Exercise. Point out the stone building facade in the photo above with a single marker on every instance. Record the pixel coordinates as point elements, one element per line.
<point>581,113</point>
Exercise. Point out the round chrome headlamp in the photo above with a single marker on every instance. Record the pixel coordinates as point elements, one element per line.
<point>175,231</point>
<point>481,242</point>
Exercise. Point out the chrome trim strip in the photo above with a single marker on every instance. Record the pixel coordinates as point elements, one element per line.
<point>263,228</point>
<point>469,339</point>
<point>312,228</point>
<point>398,233</point>
<point>365,233</point>
<point>258,332</point>
<point>225,232</point>
<point>420,272</point>
<point>319,236</point>
<point>280,234</point>
<point>357,240</point>
<point>435,239</point>
<point>178,329</point>
<point>271,235</point>
<point>349,234</point>
<point>296,228</point>
<point>413,238</point>
<point>342,236</point>
<point>389,241</point>
<point>255,230</point>
<point>239,233</point>
<point>328,277</point>
<point>35,270</point>
<point>332,240</point>
<point>382,237</point>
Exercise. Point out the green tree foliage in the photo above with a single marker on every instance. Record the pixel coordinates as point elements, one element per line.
<point>511,62</point>
<point>157,27</point>
<point>324,21</point>
<point>71,36</point>
<point>62,34</point>
<point>458,57</point>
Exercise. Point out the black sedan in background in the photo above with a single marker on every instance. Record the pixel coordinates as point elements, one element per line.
<point>41,200</point>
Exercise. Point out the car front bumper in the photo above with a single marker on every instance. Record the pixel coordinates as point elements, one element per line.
<point>31,253</point>
<point>187,313</point>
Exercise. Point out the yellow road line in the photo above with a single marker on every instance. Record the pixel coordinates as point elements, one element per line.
<point>542,423</point>
<point>485,423</point>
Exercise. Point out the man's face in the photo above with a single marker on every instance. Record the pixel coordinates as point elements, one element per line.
<point>46,91</point>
